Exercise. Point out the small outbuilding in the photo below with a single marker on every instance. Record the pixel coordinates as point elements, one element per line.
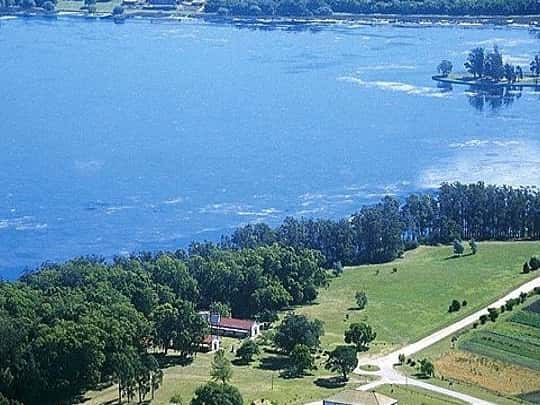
<point>211,343</point>
<point>354,397</point>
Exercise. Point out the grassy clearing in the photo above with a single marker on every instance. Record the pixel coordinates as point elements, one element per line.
<point>409,395</point>
<point>412,302</point>
<point>260,380</point>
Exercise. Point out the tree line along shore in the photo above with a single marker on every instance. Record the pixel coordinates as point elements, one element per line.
<point>68,327</point>
<point>411,10</point>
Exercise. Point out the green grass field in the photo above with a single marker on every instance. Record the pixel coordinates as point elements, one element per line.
<point>403,306</point>
<point>409,395</point>
<point>406,305</point>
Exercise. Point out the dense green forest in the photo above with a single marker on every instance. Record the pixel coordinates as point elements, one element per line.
<point>327,7</point>
<point>66,328</point>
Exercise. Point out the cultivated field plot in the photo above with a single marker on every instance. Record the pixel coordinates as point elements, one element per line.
<point>494,375</point>
<point>515,340</point>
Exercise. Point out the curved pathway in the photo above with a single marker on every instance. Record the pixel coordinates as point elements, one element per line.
<point>389,375</point>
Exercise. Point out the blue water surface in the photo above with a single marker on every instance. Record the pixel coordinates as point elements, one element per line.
<point>145,135</point>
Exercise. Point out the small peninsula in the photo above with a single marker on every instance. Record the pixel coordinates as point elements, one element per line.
<point>488,70</point>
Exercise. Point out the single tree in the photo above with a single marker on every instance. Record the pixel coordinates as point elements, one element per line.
<point>217,394</point>
<point>342,360</point>
<point>361,335</point>
<point>221,367</point>
<point>300,360</point>
<point>361,299</point>
<point>164,317</point>
<point>297,329</point>
<point>445,67</point>
<point>247,351</point>
<point>493,64</point>
<point>475,62</point>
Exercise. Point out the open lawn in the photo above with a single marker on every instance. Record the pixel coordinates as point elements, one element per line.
<point>409,395</point>
<point>412,302</point>
<point>260,380</point>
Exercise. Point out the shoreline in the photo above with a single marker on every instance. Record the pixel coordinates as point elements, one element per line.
<point>398,20</point>
<point>486,85</point>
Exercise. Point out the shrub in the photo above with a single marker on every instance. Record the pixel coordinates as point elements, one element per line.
<point>475,325</point>
<point>534,263</point>
<point>454,306</point>
<point>337,269</point>
<point>526,268</point>
<point>522,297</point>
<point>458,247</point>
<point>493,314</point>
<point>464,303</point>
<point>401,358</point>
<point>483,319</point>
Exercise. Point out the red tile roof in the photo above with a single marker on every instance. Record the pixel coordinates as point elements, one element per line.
<point>233,323</point>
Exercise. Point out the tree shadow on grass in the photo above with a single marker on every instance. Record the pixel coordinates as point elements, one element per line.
<point>457,256</point>
<point>330,382</point>
<point>240,362</point>
<point>274,363</point>
<point>172,360</point>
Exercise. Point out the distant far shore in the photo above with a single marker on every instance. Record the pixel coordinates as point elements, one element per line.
<point>405,20</point>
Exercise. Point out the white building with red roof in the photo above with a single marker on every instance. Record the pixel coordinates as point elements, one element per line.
<point>234,327</point>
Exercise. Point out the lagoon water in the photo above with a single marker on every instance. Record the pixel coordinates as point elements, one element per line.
<point>146,135</point>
